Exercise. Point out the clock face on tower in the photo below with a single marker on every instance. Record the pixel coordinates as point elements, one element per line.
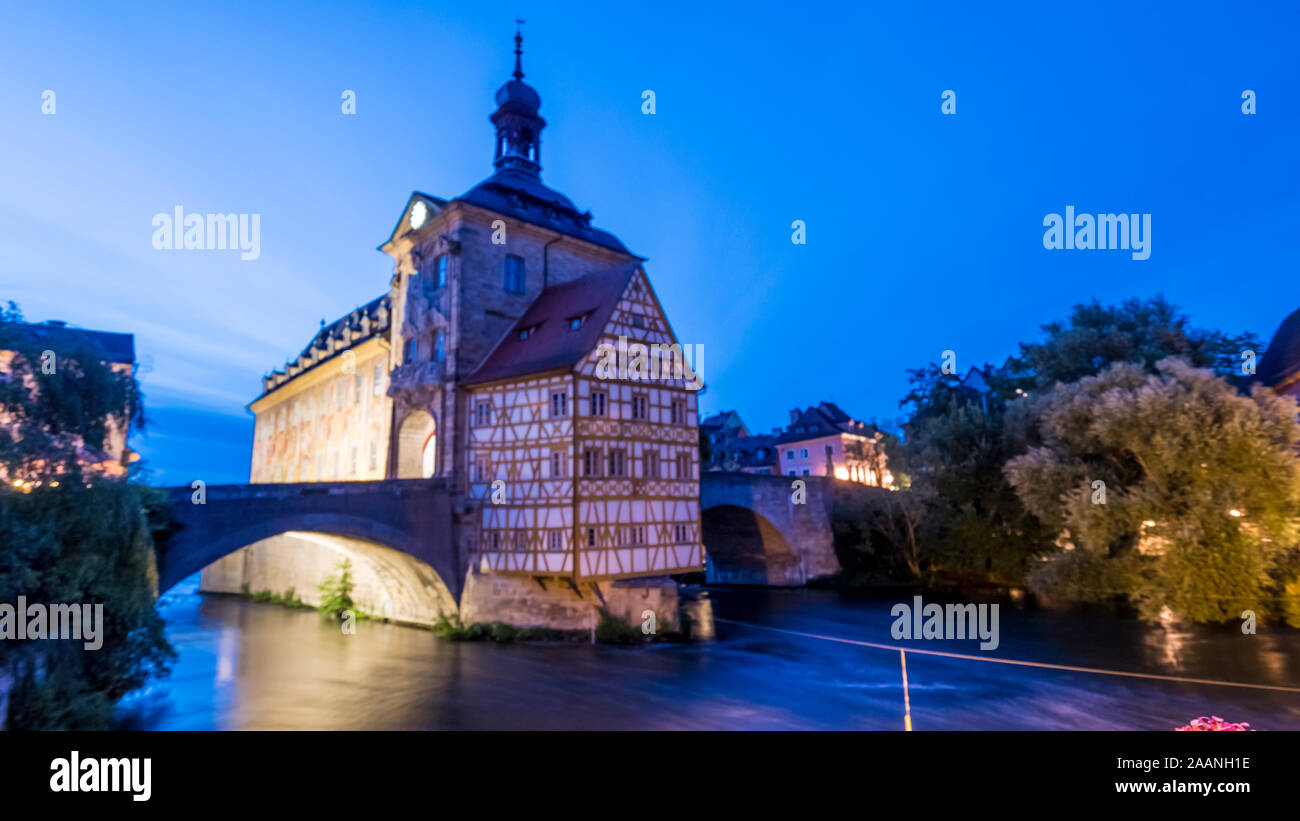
<point>419,213</point>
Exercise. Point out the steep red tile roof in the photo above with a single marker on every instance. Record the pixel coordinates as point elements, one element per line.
<point>550,344</point>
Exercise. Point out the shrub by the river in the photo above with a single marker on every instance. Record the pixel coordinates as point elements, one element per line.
<point>336,594</point>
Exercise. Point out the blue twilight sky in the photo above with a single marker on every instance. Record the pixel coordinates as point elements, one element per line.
<point>924,231</point>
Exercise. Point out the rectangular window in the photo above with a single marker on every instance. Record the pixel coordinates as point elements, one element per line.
<point>638,321</point>
<point>356,391</point>
<point>439,347</point>
<point>683,466</point>
<point>374,455</point>
<point>440,272</point>
<point>591,537</point>
<point>805,471</point>
<point>597,403</point>
<point>514,274</point>
<point>803,453</point>
<point>639,403</point>
<point>559,464</point>
<point>679,412</point>
<point>555,540</point>
<point>377,388</point>
<point>590,462</point>
<point>617,462</point>
<point>412,349</point>
<point>559,405</point>
<point>482,468</point>
<point>482,413</point>
<point>652,464</point>
<point>789,454</point>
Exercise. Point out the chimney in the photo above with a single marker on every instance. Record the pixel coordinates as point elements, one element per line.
<point>794,416</point>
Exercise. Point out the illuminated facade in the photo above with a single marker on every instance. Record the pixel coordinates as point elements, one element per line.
<point>480,364</point>
<point>111,457</point>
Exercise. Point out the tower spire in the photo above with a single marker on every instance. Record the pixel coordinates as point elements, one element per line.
<point>519,51</point>
<point>518,125</point>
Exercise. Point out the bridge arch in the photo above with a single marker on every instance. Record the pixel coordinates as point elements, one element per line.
<point>744,547</point>
<point>387,583</point>
<point>763,530</point>
<point>398,534</point>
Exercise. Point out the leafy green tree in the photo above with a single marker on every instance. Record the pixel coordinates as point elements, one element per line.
<point>1138,331</point>
<point>1199,495</point>
<point>974,525</point>
<point>69,538</point>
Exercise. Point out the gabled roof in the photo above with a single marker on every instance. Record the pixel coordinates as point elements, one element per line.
<point>1281,359</point>
<point>116,348</point>
<point>827,419</point>
<point>550,344</point>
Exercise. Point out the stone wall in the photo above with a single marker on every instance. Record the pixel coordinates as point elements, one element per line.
<point>556,604</point>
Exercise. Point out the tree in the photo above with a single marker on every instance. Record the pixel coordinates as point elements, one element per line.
<point>1199,496</point>
<point>957,443</point>
<point>68,539</point>
<point>1138,331</point>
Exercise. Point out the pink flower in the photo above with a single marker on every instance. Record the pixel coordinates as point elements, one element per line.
<point>1214,723</point>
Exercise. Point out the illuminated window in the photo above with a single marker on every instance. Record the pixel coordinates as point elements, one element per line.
<point>439,348</point>
<point>803,453</point>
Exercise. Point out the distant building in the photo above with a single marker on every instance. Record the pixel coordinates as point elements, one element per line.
<point>732,448</point>
<point>820,441</point>
<point>112,456</point>
<point>826,441</point>
<point>1279,367</point>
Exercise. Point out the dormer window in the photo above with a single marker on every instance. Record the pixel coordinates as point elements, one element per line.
<point>529,331</point>
<point>575,322</point>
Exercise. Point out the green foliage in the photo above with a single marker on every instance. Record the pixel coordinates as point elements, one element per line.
<point>1138,331</point>
<point>875,535</point>
<point>610,629</point>
<point>78,544</point>
<point>453,629</point>
<point>1179,450</point>
<point>336,594</point>
<point>973,526</point>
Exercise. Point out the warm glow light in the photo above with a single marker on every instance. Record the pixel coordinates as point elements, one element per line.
<point>841,473</point>
<point>18,482</point>
<point>1149,523</point>
<point>1234,512</point>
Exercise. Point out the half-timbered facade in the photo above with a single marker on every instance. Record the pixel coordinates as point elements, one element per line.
<point>588,466</point>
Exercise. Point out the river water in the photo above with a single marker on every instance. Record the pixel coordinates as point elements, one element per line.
<point>243,665</point>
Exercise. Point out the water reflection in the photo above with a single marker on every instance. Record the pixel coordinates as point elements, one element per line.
<point>249,666</point>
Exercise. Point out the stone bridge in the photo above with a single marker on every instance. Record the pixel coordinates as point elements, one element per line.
<point>759,530</point>
<point>397,534</point>
<point>402,541</point>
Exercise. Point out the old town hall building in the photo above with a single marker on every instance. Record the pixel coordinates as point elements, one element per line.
<point>480,365</point>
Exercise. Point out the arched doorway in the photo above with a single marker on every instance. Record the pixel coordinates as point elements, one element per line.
<point>417,446</point>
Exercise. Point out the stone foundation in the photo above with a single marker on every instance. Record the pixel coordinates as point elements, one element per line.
<point>556,604</point>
